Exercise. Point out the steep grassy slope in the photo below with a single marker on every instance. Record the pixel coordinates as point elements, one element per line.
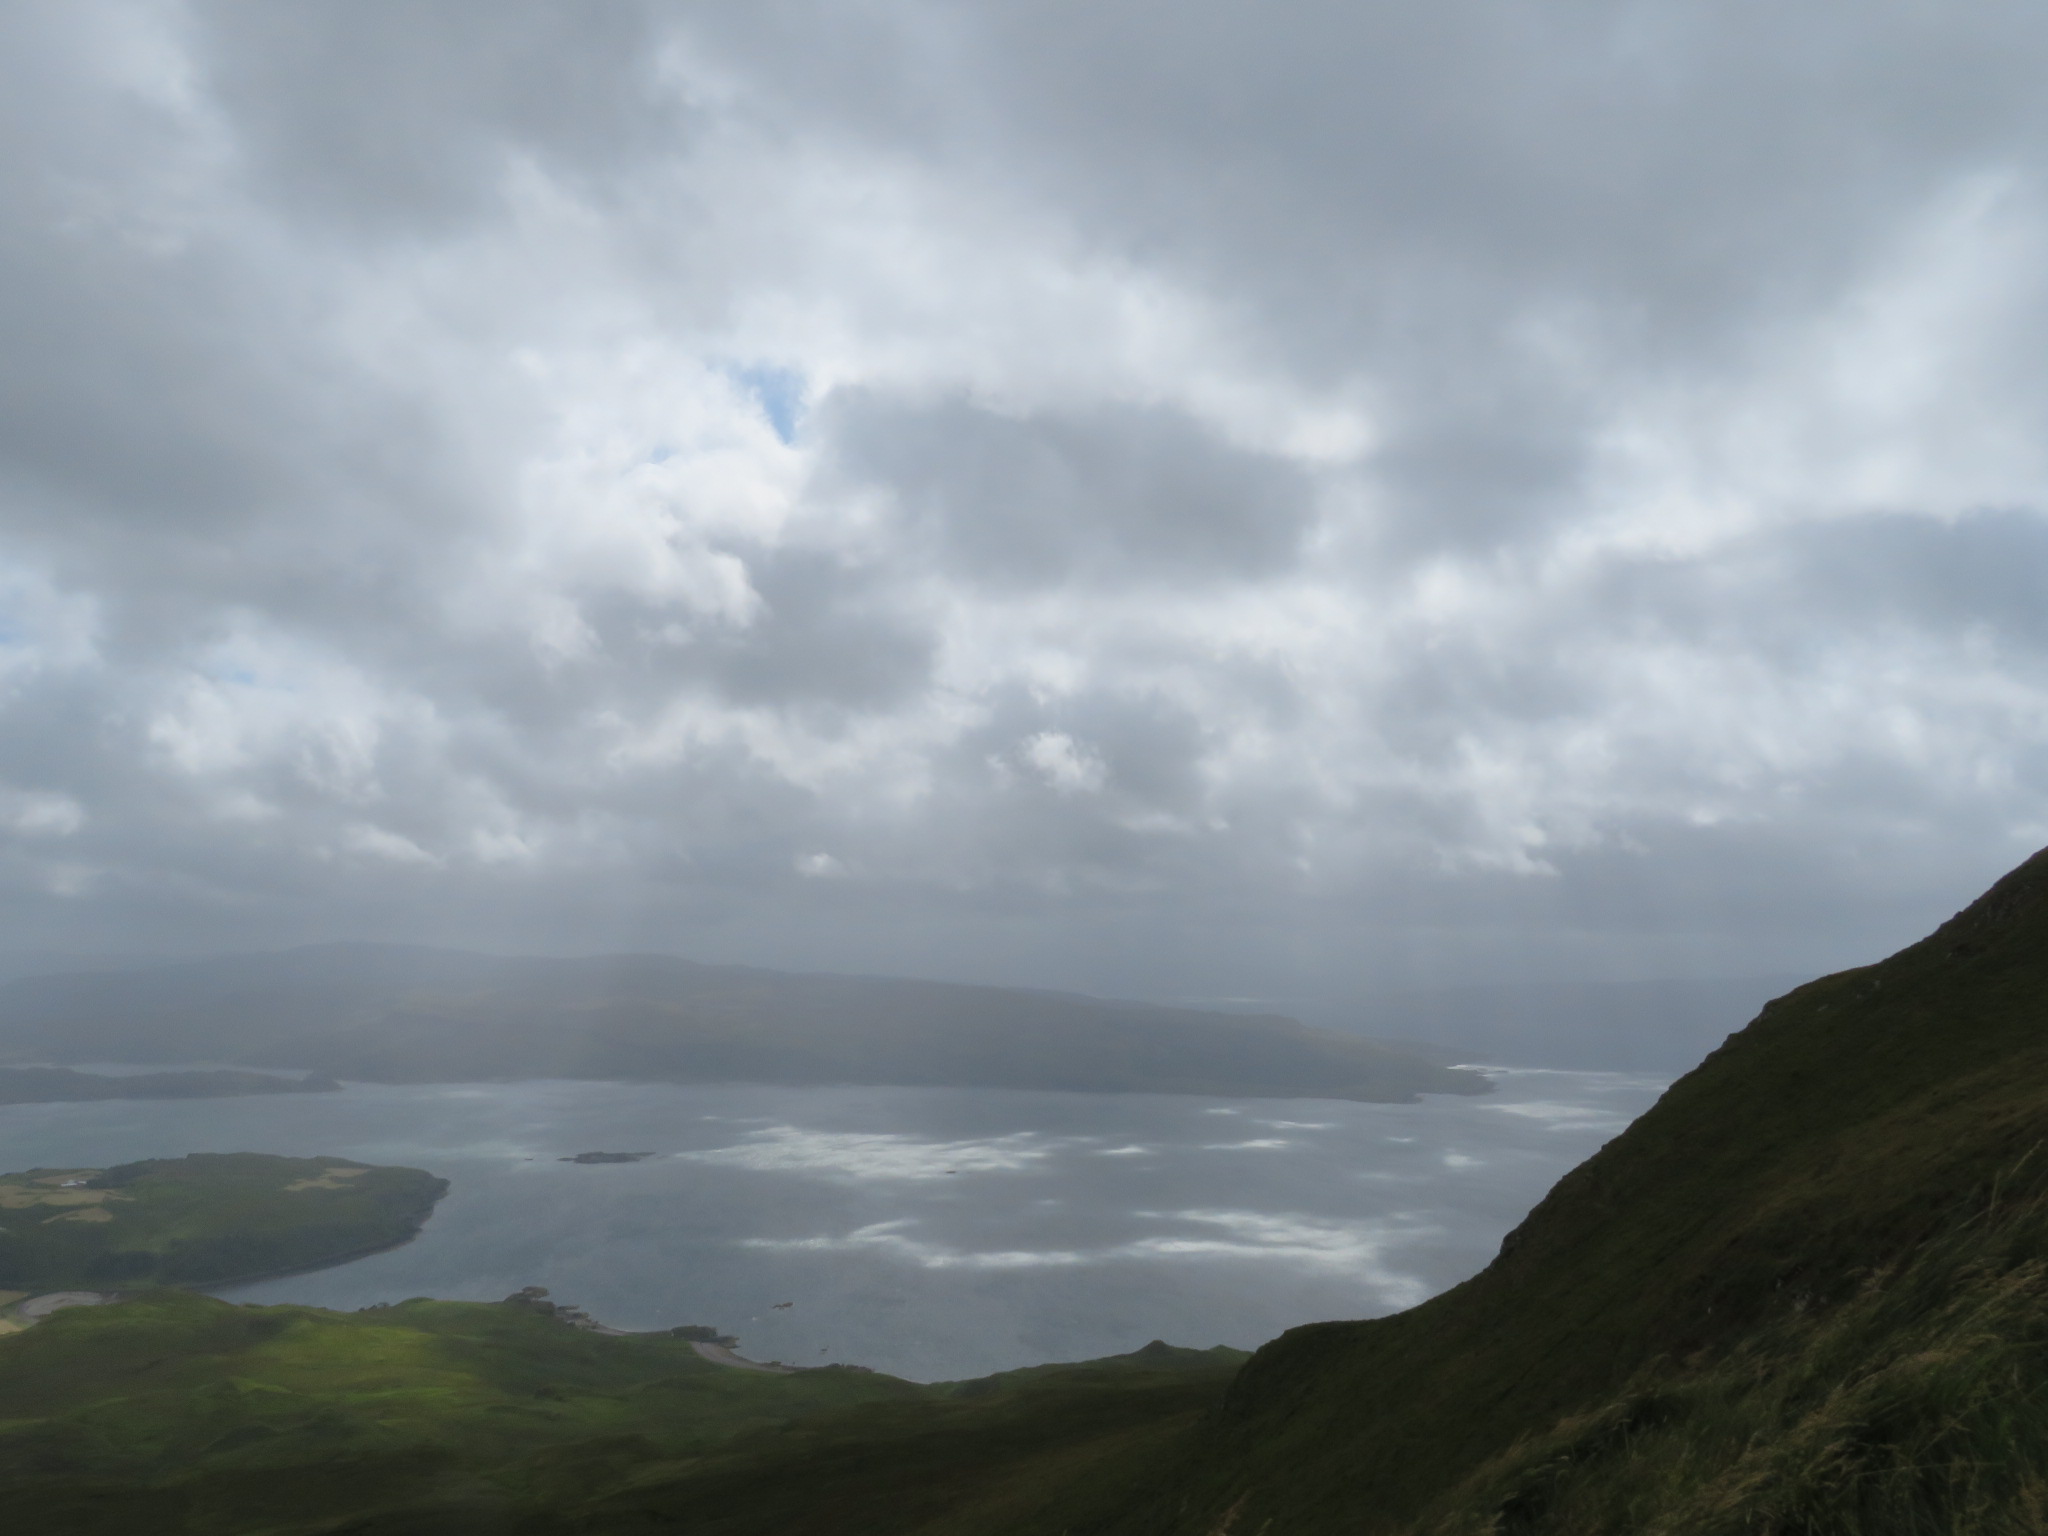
<point>1920,1404</point>
<point>1036,1451</point>
<point>184,1416</point>
<point>391,1013</point>
<point>1862,1123</point>
<point>202,1220</point>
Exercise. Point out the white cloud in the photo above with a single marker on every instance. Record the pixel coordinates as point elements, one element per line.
<point>382,843</point>
<point>1065,765</point>
<point>40,815</point>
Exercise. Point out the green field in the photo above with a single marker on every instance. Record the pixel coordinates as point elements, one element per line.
<point>206,1219</point>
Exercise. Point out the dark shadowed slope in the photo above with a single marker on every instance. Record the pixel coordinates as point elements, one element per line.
<point>390,1013</point>
<point>179,1415</point>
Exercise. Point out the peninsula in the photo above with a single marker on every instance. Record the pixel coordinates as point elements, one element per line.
<point>212,1218</point>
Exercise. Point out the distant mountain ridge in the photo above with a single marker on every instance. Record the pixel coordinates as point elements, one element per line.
<point>398,1013</point>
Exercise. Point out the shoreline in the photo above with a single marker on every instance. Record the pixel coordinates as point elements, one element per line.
<point>302,1269</point>
<point>718,1354</point>
<point>208,1287</point>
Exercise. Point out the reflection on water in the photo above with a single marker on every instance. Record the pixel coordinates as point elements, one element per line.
<point>934,1233</point>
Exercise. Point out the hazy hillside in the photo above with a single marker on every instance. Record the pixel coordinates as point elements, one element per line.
<point>390,1013</point>
<point>185,1416</point>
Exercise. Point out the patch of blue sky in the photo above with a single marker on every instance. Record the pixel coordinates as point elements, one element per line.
<point>778,391</point>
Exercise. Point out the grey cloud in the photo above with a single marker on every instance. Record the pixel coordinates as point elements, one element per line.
<point>1121,493</point>
<point>405,116</point>
<point>1514,220</point>
<point>826,634</point>
<point>1124,755</point>
<point>1792,594</point>
<point>177,435</point>
<point>823,634</point>
<point>1469,479</point>
<point>1983,572</point>
<point>1365,159</point>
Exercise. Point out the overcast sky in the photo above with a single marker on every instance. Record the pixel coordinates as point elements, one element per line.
<point>1185,500</point>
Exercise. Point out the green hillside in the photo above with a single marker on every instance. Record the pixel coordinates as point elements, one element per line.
<point>181,1415</point>
<point>201,1220</point>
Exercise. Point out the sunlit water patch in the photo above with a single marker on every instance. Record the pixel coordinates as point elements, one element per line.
<point>931,1232</point>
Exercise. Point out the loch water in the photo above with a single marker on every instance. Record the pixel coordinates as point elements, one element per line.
<point>932,1233</point>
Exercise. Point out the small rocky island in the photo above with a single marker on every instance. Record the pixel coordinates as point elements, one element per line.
<point>209,1219</point>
